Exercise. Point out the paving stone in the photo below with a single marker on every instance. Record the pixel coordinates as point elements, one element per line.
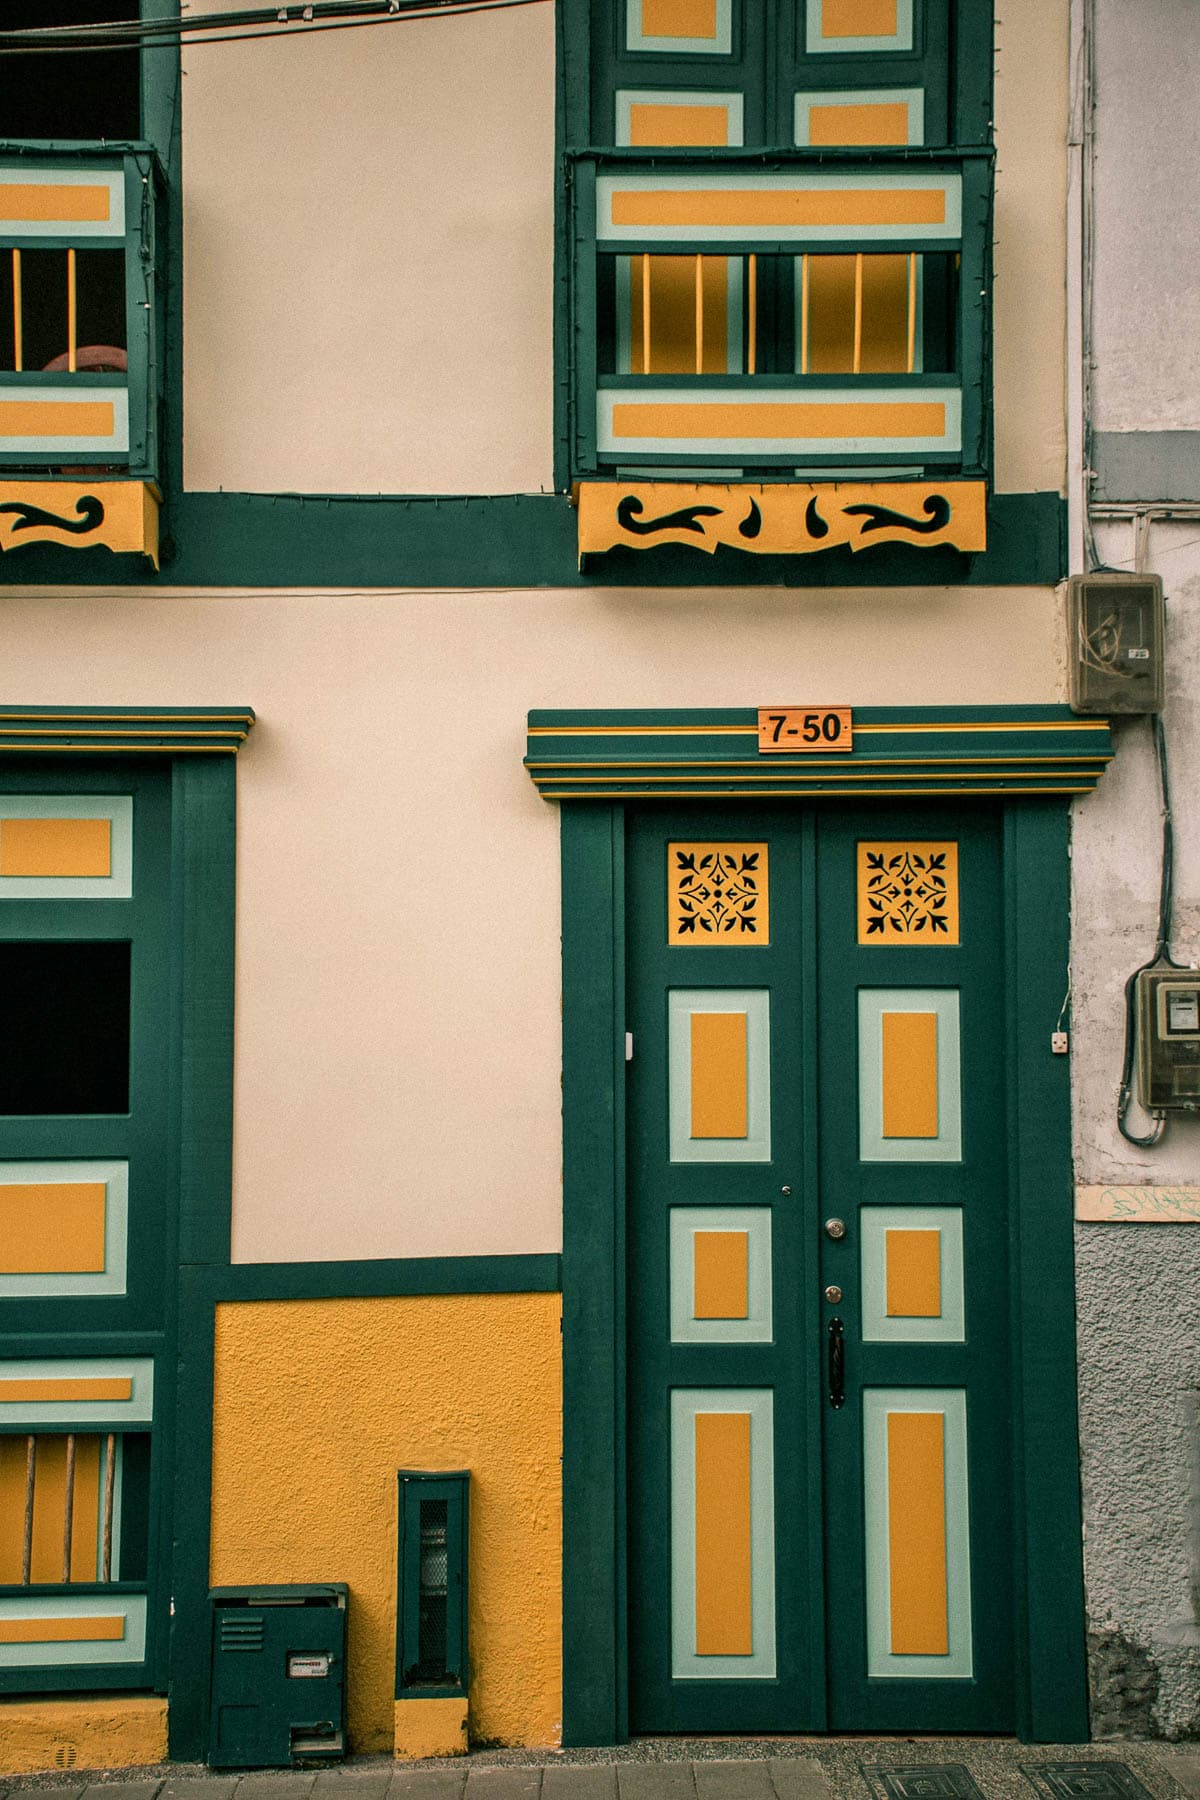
<point>724,1779</point>
<point>521,1783</point>
<point>799,1778</point>
<point>1184,1767</point>
<point>369,1783</point>
<point>417,1783</point>
<point>122,1790</point>
<point>590,1781</point>
<point>656,1781</point>
<point>196,1787</point>
<point>281,1784</point>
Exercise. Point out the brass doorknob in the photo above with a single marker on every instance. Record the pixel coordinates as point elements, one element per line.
<point>835,1228</point>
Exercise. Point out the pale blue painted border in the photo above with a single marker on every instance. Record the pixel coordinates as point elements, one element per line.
<point>685,1404</point>
<point>720,45</point>
<point>112,228</point>
<point>117,439</point>
<point>948,232</point>
<point>912,97</point>
<point>872,1145</point>
<point>877,1327</point>
<point>111,1280</point>
<point>119,1414</point>
<point>957,1664</point>
<point>816,44</point>
<point>117,808</point>
<point>129,1649</point>
<point>851,396</point>
<point>755,1003</point>
<point>757,1327</point>
<point>626,98</point>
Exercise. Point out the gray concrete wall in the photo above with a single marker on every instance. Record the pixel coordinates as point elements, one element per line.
<point>1139,1285</point>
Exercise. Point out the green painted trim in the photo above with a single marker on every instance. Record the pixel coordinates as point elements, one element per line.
<point>585,754</point>
<point>506,541</point>
<point>113,730</point>
<point>595,1695</point>
<point>387,1278</point>
<point>1048,1585</point>
<point>162,125</point>
<point>415,1486</point>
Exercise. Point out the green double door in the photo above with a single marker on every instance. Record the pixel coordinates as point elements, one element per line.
<point>819,1442</point>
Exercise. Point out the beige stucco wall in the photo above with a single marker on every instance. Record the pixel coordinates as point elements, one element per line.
<point>368,249</point>
<point>398,1032</point>
<point>368,238</point>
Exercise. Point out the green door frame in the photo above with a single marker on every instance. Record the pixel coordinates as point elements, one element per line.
<point>1051,1700</point>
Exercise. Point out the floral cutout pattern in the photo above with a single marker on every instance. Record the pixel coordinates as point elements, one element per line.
<point>717,894</point>
<point>908,893</point>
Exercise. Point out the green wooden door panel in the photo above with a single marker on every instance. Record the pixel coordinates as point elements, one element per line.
<point>850,1638</point>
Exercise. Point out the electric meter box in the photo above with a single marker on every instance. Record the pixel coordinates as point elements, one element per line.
<point>1117,631</point>
<point>278,1676</point>
<point>1168,1016</point>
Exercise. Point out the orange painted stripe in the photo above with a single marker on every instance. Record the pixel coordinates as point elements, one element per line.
<point>720,1075</point>
<point>52,1228</point>
<point>55,847</point>
<point>56,418</point>
<point>66,1388</point>
<point>858,18</point>
<point>783,207</point>
<point>49,202</point>
<point>697,127</point>
<point>910,1075</point>
<point>917,1534</point>
<point>724,1623</point>
<point>914,1274</point>
<point>679,18</point>
<point>95,1630</point>
<point>721,1275</point>
<point>781,419</point>
<point>878,124</point>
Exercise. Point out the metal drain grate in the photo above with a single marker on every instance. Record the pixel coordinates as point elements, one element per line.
<point>921,1781</point>
<point>1085,1781</point>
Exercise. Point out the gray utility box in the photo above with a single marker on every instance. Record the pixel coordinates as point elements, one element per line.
<point>278,1675</point>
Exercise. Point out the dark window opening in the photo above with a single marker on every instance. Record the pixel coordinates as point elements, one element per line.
<point>88,94</point>
<point>43,278</point>
<point>434,1593</point>
<point>65,1043</point>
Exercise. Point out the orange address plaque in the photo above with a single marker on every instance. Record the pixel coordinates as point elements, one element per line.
<point>796,728</point>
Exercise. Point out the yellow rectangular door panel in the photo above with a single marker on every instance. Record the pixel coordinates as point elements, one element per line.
<point>693,127</point>
<point>914,1274</point>
<point>882,123</point>
<point>910,1075</point>
<point>720,1098</point>
<point>679,18</point>
<point>52,1228</point>
<point>721,1275</point>
<point>858,18</point>
<point>917,1533</point>
<point>724,1623</point>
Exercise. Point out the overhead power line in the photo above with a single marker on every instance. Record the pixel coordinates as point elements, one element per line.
<point>241,26</point>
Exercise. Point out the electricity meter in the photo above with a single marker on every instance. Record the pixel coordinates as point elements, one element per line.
<point>1117,626</point>
<point>1168,1014</point>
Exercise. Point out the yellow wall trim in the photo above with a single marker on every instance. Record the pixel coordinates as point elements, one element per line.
<point>431,1727</point>
<point>105,1733</point>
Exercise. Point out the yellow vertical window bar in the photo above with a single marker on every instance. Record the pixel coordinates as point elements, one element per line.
<point>18,315</point>
<point>106,1537</point>
<point>858,309</point>
<point>71,320</point>
<point>69,1494</point>
<point>912,310</point>
<point>699,315</point>
<point>30,1495</point>
<point>752,317</point>
<point>804,315</point>
<point>646,313</point>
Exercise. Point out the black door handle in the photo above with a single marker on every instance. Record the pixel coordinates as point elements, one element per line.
<point>837,1363</point>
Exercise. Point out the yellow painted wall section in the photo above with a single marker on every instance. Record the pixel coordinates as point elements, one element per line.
<point>108,1732</point>
<point>385,849</point>
<point>318,1403</point>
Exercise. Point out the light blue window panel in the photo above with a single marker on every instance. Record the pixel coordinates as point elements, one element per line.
<point>877,1328</point>
<point>873,1146</point>
<point>128,1647</point>
<point>912,98</point>
<point>719,45</point>
<point>755,1003</point>
<point>116,808</point>
<point>900,39</point>
<point>109,1280</point>
<point>80,1411</point>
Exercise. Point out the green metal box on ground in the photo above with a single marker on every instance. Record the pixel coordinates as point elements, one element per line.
<point>278,1675</point>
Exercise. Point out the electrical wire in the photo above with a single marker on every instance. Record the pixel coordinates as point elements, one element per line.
<point>1161,958</point>
<point>236,27</point>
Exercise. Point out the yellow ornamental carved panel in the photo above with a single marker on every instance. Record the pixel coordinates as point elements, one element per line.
<point>907,893</point>
<point>717,894</point>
